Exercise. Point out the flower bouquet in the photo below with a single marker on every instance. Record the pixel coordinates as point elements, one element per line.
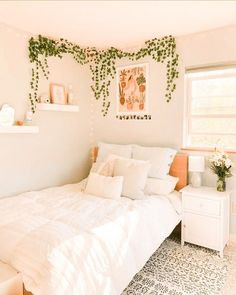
<point>220,164</point>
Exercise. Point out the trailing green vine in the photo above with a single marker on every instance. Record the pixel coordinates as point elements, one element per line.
<point>102,63</point>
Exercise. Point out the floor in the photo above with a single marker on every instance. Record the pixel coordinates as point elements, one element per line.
<point>191,270</point>
<point>230,286</point>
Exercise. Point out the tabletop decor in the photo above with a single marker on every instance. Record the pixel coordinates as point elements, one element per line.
<point>7,115</point>
<point>102,63</point>
<point>196,165</point>
<point>44,98</point>
<point>58,93</point>
<point>220,164</point>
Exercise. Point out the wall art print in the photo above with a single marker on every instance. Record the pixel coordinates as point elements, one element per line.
<point>132,87</point>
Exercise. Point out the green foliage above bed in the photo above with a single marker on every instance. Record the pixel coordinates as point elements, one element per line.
<point>102,63</point>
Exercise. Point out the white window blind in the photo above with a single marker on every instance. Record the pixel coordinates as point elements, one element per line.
<point>211,109</point>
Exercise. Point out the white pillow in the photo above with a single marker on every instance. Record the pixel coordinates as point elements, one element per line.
<point>155,186</point>
<point>104,149</point>
<point>159,158</point>
<point>104,186</point>
<point>135,175</point>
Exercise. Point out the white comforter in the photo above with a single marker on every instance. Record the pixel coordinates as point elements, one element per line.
<point>66,242</point>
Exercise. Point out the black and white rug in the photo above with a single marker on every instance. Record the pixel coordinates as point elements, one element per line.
<point>173,270</point>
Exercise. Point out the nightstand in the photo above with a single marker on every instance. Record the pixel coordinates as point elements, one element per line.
<point>205,217</point>
<point>10,280</point>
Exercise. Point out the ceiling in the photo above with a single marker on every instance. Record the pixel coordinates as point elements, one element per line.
<point>116,23</point>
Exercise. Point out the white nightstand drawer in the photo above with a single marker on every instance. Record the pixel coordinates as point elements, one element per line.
<point>201,205</point>
<point>196,230</point>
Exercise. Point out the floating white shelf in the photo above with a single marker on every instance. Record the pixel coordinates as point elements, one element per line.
<point>19,129</point>
<point>57,107</point>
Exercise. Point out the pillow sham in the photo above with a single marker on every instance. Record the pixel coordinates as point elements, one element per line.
<point>104,149</point>
<point>155,186</point>
<point>104,186</point>
<point>135,174</point>
<point>159,158</point>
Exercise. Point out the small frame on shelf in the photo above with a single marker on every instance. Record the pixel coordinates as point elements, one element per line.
<point>58,94</point>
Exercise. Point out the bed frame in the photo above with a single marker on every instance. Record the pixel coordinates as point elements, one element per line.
<point>25,292</point>
<point>179,167</point>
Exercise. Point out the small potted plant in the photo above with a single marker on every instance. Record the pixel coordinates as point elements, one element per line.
<point>220,164</point>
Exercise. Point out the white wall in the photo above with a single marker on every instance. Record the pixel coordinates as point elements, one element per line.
<point>166,126</point>
<point>59,153</point>
<point>212,47</point>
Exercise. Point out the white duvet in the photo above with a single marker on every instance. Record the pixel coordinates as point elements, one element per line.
<point>66,242</point>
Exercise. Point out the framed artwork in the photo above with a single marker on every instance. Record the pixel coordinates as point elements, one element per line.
<point>58,93</point>
<point>132,90</point>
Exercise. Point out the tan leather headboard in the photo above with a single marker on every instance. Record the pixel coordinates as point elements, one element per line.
<point>179,168</point>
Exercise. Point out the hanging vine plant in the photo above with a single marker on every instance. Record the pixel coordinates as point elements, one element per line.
<point>101,62</point>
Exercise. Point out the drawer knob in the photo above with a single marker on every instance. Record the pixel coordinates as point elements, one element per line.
<point>201,205</point>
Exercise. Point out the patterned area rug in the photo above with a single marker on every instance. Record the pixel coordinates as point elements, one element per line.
<point>173,270</point>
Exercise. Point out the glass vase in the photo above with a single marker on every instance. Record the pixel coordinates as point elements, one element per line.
<point>221,184</point>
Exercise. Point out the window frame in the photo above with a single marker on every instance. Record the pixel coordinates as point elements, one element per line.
<point>188,116</point>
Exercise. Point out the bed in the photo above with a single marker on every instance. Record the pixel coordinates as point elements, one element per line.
<point>66,242</point>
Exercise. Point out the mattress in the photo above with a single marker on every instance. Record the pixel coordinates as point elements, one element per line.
<point>66,242</point>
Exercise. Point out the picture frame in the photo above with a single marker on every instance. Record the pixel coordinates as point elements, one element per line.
<point>132,89</point>
<point>58,93</point>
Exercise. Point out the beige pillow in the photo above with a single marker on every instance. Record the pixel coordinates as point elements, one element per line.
<point>135,174</point>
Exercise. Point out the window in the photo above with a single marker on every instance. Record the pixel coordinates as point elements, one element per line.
<point>210,118</point>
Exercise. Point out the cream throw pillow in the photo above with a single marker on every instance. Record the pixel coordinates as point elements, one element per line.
<point>135,175</point>
<point>104,186</point>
